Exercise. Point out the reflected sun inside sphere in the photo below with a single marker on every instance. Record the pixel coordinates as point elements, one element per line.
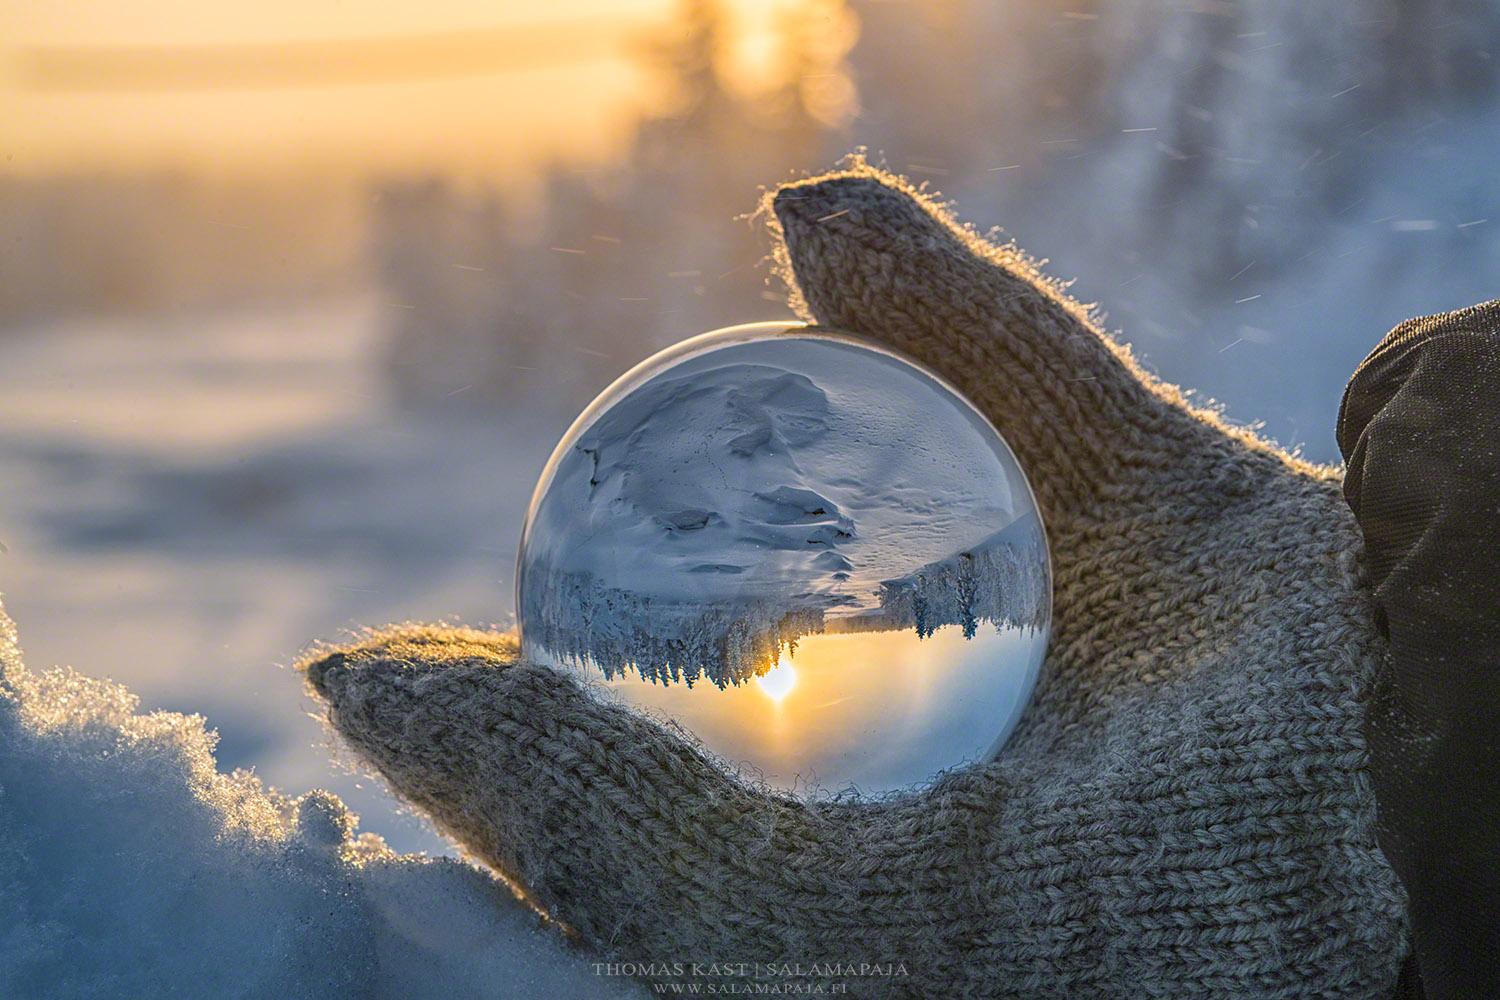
<point>778,682</point>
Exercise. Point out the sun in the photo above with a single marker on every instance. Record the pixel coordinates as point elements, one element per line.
<point>778,682</point>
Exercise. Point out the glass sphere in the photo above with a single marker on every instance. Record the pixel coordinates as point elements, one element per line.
<point>807,550</point>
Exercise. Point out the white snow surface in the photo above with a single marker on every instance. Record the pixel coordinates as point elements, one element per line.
<point>776,467</point>
<point>130,867</point>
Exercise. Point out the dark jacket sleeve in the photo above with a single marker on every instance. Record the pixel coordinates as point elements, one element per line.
<point>1419,428</point>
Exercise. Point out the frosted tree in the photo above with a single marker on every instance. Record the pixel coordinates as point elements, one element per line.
<point>1002,581</point>
<point>580,621</point>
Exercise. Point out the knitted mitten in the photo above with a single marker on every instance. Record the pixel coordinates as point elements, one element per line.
<point>1184,810</point>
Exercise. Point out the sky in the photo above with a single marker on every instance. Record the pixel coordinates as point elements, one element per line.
<point>458,85</point>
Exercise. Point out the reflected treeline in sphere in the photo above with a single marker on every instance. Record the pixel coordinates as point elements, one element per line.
<point>809,551</point>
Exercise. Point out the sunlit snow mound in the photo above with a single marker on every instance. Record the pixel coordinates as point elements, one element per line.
<point>130,868</point>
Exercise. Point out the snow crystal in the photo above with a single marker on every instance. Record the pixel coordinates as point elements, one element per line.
<point>130,867</point>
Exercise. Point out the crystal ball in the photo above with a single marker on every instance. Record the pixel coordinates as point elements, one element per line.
<point>808,551</point>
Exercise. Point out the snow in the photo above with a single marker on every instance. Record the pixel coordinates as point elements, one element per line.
<point>130,867</point>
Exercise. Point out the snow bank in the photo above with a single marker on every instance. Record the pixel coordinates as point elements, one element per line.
<point>130,867</point>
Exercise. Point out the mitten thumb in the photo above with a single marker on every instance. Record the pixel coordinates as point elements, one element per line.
<point>610,825</point>
<point>864,251</point>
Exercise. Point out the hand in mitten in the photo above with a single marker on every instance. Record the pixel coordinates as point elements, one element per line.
<point>1184,809</point>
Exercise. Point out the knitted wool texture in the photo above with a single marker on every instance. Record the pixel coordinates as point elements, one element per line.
<point>1184,810</point>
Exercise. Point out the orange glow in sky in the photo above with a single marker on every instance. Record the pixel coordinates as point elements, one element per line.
<point>455,85</point>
